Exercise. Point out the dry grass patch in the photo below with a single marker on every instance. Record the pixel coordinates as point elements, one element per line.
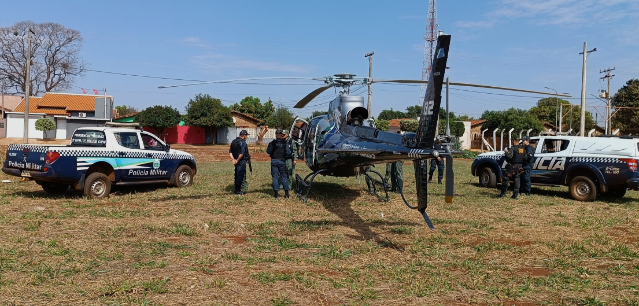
<point>202,245</point>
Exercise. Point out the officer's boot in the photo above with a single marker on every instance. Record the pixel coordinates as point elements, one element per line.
<point>439,181</point>
<point>286,195</point>
<point>276,194</point>
<point>430,178</point>
<point>502,195</point>
<point>515,194</point>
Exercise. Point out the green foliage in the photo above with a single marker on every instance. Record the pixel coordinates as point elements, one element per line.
<point>468,154</point>
<point>518,119</point>
<point>546,111</point>
<point>318,113</point>
<point>413,112</point>
<point>382,124</point>
<point>159,118</point>
<point>627,119</point>
<point>282,118</point>
<point>208,112</point>
<point>252,106</point>
<point>391,114</point>
<point>456,126</point>
<point>44,124</point>
<point>124,110</point>
<point>408,125</point>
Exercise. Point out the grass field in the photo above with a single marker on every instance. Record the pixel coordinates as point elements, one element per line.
<point>203,246</point>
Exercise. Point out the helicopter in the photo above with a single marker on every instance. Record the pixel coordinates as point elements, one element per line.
<point>346,143</point>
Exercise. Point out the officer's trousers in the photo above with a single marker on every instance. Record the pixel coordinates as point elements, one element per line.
<point>278,173</point>
<point>240,175</point>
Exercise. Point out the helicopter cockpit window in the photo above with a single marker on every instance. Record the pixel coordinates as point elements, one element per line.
<point>299,130</point>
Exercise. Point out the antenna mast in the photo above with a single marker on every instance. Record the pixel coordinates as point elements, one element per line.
<point>430,41</point>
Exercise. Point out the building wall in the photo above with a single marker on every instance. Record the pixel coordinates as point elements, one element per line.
<point>61,128</point>
<point>181,134</point>
<point>226,135</point>
<point>466,138</point>
<point>99,108</point>
<point>242,122</point>
<point>89,114</point>
<point>15,126</point>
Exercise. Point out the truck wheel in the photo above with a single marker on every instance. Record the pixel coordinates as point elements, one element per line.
<point>487,177</point>
<point>616,193</point>
<point>582,188</point>
<point>53,188</point>
<point>183,176</point>
<point>97,185</point>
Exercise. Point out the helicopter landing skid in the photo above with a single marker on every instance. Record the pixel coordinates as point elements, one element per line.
<point>302,188</point>
<point>372,182</point>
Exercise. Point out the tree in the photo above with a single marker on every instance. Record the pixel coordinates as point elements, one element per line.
<point>207,112</point>
<point>44,124</point>
<point>283,118</point>
<point>318,113</point>
<point>124,110</point>
<point>159,118</point>
<point>382,124</point>
<point>518,119</point>
<point>391,114</point>
<point>457,128</point>
<point>408,125</point>
<point>546,111</point>
<point>55,56</point>
<point>413,112</point>
<point>627,119</point>
<point>252,106</point>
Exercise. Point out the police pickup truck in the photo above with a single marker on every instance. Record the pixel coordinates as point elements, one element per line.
<point>99,157</point>
<point>589,166</point>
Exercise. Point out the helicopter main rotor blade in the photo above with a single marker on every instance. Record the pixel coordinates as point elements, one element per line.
<point>240,80</point>
<point>472,85</point>
<point>312,96</point>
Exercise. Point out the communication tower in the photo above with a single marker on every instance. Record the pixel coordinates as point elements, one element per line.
<point>430,41</point>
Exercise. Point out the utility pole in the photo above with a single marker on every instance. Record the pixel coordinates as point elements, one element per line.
<point>608,100</point>
<point>582,125</point>
<point>27,89</point>
<point>370,80</point>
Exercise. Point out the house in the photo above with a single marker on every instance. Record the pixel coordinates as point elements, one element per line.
<point>471,139</point>
<point>9,103</point>
<point>241,122</point>
<point>68,112</point>
<point>394,125</point>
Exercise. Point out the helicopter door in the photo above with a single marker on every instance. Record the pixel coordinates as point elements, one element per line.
<point>298,133</point>
<point>312,138</point>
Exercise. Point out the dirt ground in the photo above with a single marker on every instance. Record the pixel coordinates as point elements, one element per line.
<point>202,245</point>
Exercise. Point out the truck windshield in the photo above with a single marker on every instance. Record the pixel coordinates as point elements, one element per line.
<point>87,138</point>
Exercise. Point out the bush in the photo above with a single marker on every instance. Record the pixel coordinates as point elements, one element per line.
<point>44,124</point>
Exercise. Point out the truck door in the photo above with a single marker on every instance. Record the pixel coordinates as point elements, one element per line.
<point>163,166</point>
<point>136,161</point>
<point>550,160</point>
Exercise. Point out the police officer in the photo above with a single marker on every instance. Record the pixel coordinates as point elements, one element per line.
<point>239,155</point>
<point>438,163</point>
<point>395,174</point>
<point>291,162</point>
<point>279,151</point>
<point>529,160</point>
<point>515,156</point>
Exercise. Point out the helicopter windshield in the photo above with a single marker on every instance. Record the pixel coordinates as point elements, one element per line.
<point>298,132</point>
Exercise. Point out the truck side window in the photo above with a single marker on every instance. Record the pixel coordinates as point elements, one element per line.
<point>128,140</point>
<point>88,138</point>
<point>151,143</point>
<point>554,145</point>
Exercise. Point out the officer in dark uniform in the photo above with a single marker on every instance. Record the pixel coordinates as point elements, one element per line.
<point>515,156</point>
<point>279,151</point>
<point>439,163</point>
<point>529,160</point>
<point>239,154</point>
<point>395,175</point>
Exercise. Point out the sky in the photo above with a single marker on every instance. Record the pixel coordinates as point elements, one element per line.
<point>526,44</point>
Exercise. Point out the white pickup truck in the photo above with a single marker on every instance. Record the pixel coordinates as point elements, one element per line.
<point>97,158</point>
<point>589,166</point>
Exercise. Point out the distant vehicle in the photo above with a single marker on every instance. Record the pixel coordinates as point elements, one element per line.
<point>99,157</point>
<point>589,166</point>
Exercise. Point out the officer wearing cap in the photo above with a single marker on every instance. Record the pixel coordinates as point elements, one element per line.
<point>279,151</point>
<point>529,160</point>
<point>239,156</point>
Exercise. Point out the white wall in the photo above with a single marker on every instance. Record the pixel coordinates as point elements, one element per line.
<point>61,128</point>
<point>466,139</point>
<point>15,126</point>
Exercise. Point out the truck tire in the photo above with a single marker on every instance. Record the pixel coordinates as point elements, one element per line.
<point>54,188</point>
<point>487,177</point>
<point>97,185</point>
<point>582,188</point>
<point>183,176</point>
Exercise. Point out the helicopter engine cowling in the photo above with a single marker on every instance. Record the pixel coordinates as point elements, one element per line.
<point>351,109</point>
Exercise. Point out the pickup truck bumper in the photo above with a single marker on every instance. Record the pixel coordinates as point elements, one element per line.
<point>633,183</point>
<point>42,176</point>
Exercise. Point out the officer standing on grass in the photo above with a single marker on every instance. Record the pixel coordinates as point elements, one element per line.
<point>395,175</point>
<point>279,151</point>
<point>515,157</point>
<point>239,156</point>
<point>291,162</point>
<point>529,159</point>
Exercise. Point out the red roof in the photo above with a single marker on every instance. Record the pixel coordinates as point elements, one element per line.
<point>476,122</point>
<point>60,103</point>
<point>246,115</point>
<point>395,122</point>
